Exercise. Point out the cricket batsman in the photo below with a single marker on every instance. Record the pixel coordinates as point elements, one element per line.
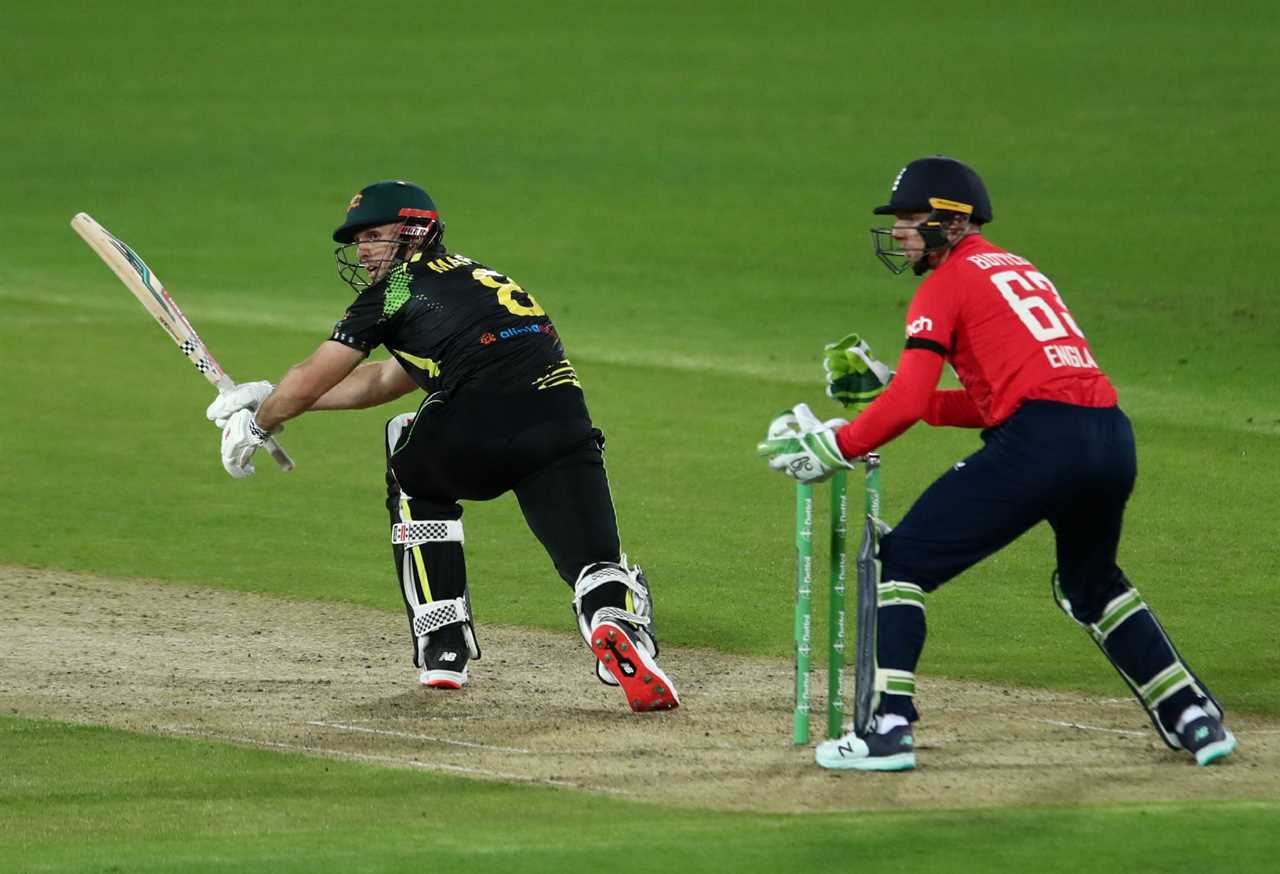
<point>502,410</point>
<point>1056,448</point>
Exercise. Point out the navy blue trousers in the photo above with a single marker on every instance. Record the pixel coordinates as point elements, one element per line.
<point>1073,467</point>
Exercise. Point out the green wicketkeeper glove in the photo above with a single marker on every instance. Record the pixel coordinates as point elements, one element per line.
<point>854,378</point>
<point>803,447</point>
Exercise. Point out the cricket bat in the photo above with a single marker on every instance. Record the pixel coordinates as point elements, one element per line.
<point>146,287</point>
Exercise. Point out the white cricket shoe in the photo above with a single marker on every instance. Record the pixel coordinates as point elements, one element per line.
<point>893,751</point>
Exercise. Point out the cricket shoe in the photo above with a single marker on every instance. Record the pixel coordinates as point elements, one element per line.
<point>892,751</point>
<point>624,655</point>
<point>1207,739</point>
<point>445,666</point>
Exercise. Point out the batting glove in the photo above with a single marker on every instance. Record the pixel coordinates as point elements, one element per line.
<point>240,439</point>
<point>802,446</point>
<point>854,378</point>
<point>246,396</point>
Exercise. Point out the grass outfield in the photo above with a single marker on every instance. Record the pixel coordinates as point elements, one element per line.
<point>138,803</point>
<point>685,187</point>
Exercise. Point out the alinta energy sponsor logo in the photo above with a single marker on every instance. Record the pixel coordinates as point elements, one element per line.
<point>489,337</point>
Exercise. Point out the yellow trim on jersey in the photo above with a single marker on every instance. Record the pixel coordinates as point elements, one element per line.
<point>426,364</point>
<point>559,374</point>
<point>417,554</point>
<point>953,205</point>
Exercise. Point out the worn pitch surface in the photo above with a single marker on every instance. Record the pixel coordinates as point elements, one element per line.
<point>334,680</point>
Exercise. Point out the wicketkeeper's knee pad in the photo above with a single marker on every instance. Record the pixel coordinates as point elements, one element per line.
<point>1136,644</point>
<point>609,590</point>
<point>433,574</point>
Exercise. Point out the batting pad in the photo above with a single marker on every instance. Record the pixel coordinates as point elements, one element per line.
<point>437,614</point>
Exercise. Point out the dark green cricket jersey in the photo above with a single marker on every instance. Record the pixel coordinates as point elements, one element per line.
<point>454,324</point>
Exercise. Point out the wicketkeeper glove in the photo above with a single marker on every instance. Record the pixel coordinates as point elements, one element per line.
<point>246,396</point>
<point>854,378</point>
<point>803,447</point>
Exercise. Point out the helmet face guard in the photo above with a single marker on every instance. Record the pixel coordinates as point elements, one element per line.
<point>934,230</point>
<point>945,189</point>
<point>420,231</point>
<point>395,202</point>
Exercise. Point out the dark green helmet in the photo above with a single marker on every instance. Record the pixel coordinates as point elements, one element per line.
<point>381,203</point>
<point>418,229</point>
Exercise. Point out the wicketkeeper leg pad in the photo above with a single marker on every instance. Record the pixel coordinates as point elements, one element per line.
<point>1136,644</point>
<point>891,633</point>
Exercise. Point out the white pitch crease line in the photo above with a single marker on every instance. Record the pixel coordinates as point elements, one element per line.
<point>1123,731</point>
<point>439,740</point>
<point>394,760</point>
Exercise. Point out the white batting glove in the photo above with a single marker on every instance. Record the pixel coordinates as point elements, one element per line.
<point>803,447</point>
<point>240,439</point>
<point>245,396</point>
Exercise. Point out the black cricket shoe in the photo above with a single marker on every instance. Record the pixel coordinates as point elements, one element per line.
<point>892,751</point>
<point>1207,739</point>
<point>444,662</point>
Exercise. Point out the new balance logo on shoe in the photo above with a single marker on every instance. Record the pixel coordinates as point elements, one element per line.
<point>1207,739</point>
<point>892,751</point>
<point>446,657</point>
<point>632,666</point>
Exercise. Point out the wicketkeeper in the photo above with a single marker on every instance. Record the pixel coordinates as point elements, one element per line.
<point>503,410</point>
<point>1056,448</point>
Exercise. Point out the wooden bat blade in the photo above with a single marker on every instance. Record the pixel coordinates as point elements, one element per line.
<point>129,267</point>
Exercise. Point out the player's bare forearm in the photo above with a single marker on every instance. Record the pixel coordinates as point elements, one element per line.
<point>370,384</point>
<point>306,383</point>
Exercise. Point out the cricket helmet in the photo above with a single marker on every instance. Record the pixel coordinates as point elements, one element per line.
<point>390,202</point>
<point>382,203</point>
<point>921,184</point>
<point>949,191</point>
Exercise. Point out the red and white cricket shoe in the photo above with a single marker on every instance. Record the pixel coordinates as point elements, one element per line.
<point>625,658</point>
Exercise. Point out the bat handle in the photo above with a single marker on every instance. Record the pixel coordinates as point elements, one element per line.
<point>277,452</point>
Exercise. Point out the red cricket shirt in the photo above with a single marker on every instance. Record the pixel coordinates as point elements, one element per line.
<point>1003,327</point>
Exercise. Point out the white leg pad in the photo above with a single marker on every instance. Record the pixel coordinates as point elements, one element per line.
<point>434,531</point>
